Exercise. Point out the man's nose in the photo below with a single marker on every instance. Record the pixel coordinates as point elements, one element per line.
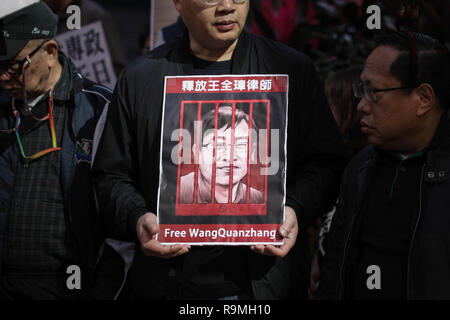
<point>226,5</point>
<point>363,106</point>
<point>226,154</point>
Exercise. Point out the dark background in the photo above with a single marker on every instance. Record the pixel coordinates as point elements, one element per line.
<point>132,16</point>
<point>341,36</point>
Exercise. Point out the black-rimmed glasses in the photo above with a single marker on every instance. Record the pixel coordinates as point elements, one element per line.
<point>9,66</point>
<point>360,90</point>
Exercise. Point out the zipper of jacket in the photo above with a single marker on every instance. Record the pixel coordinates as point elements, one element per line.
<point>341,270</point>
<point>408,294</point>
<point>362,204</point>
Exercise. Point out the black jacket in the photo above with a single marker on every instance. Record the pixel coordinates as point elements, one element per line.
<point>126,170</point>
<point>428,269</point>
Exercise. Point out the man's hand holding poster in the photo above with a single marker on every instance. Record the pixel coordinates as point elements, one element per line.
<point>223,160</point>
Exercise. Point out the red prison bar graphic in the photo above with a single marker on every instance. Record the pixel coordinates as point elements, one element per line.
<point>224,178</point>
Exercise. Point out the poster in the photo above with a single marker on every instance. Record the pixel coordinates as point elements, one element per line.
<point>223,160</point>
<point>89,52</point>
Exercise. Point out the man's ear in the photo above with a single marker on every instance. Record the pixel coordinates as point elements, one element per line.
<point>426,98</point>
<point>51,51</point>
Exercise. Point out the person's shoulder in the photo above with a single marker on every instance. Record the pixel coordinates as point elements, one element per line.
<point>165,49</point>
<point>100,91</point>
<point>82,85</point>
<point>256,196</point>
<point>363,156</point>
<point>360,161</point>
<point>281,53</point>
<point>96,98</point>
<point>356,173</point>
<point>151,61</point>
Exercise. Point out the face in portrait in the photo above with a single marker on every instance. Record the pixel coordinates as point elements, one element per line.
<point>230,165</point>
<point>223,154</point>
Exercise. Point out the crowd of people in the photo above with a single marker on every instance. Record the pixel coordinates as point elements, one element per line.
<point>368,156</point>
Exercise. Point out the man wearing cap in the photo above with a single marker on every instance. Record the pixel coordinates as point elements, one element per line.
<point>49,228</point>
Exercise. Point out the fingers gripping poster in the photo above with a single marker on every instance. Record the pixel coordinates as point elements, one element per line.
<point>223,160</point>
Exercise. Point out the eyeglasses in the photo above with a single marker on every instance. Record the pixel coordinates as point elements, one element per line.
<point>216,2</point>
<point>9,66</point>
<point>360,90</point>
<point>223,147</point>
<point>52,129</point>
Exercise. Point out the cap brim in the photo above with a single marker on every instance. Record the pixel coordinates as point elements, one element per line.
<point>11,47</point>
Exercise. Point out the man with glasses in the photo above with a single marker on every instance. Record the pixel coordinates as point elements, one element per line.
<point>126,169</point>
<point>390,233</point>
<point>48,220</point>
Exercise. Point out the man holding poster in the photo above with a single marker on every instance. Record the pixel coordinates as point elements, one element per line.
<point>146,154</point>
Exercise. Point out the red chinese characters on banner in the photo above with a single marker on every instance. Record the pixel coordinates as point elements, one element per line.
<point>226,84</point>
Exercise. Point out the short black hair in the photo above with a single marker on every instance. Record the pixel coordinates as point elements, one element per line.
<point>225,117</point>
<point>432,65</point>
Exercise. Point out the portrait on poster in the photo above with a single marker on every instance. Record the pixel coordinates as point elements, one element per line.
<point>223,159</point>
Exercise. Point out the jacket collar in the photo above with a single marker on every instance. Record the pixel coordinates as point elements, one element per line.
<point>370,161</point>
<point>440,140</point>
<point>63,87</point>
<point>441,136</point>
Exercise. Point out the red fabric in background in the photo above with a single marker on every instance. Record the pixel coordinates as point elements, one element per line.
<point>282,23</point>
<point>311,19</point>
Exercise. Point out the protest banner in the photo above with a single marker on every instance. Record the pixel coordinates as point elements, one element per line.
<point>223,159</point>
<point>88,50</point>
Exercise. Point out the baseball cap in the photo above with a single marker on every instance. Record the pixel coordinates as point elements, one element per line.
<point>36,21</point>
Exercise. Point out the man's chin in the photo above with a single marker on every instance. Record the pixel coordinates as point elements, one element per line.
<point>380,143</point>
<point>222,40</point>
<point>225,181</point>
